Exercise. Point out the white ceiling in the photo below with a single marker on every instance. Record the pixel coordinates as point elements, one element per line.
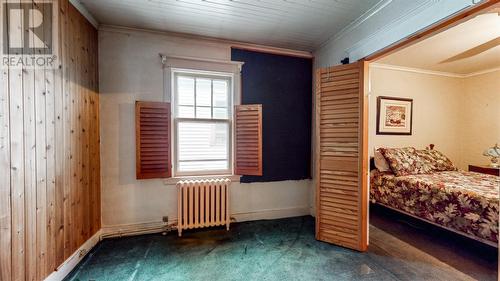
<point>467,48</point>
<point>293,24</point>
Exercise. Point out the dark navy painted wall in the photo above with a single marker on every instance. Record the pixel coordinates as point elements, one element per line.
<point>283,85</point>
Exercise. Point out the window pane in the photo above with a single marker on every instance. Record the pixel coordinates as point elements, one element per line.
<point>203,112</point>
<point>220,93</point>
<point>185,90</point>
<point>203,91</point>
<point>185,111</point>
<point>220,113</point>
<point>202,146</point>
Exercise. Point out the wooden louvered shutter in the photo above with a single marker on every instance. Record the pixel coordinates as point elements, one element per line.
<point>341,155</point>
<point>152,121</point>
<point>248,130</point>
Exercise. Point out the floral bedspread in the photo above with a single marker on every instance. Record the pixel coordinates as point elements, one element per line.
<point>464,201</point>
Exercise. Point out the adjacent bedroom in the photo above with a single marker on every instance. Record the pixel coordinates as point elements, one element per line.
<point>434,136</point>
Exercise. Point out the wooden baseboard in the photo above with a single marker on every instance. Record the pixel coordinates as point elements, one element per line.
<point>271,214</point>
<point>157,227</point>
<point>68,265</point>
<point>123,230</point>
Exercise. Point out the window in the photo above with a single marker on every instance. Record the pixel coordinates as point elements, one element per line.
<point>202,123</point>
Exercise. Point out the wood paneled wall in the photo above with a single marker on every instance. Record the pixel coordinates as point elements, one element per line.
<point>49,154</point>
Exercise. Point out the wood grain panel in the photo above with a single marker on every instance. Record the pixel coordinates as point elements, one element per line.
<point>30,174</point>
<point>341,149</point>
<point>5,182</point>
<point>5,187</point>
<point>248,139</point>
<point>152,124</point>
<point>17,161</point>
<point>59,154</point>
<point>49,151</point>
<point>42,238</point>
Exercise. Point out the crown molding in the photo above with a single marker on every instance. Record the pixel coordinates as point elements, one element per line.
<point>414,70</point>
<point>230,43</point>
<point>431,72</point>
<point>83,10</point>
<point>482,72</point>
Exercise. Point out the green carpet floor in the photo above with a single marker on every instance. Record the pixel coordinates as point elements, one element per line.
<point>264,250</point>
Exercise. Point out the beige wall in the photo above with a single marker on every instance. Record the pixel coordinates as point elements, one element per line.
<point>480,117</point>
<point>436,109</point>
<point>461,116</point>
<point>130,70</point>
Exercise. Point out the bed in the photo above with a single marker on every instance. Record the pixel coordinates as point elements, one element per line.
<point>463,202</point>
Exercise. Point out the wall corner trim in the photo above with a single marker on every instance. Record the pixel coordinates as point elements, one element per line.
<point>68,265</point>
<point>83,10</point>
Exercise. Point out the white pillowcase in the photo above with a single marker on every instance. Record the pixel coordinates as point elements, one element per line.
<point>380,162</point>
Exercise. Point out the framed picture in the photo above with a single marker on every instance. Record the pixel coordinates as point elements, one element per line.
<point>394,116</point>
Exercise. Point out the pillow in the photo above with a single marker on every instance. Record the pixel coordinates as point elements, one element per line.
<point>436,159</point>
<point>405,161</point>
<point>380,162</point>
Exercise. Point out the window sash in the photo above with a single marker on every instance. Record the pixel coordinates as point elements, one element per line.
<point>229,142</point>
<point>212,77</point>
<point>228,120</point>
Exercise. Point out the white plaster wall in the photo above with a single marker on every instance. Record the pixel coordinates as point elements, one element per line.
<point>130,70</point>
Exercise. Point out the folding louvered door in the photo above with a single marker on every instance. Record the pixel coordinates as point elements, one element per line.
<point>341,155</point>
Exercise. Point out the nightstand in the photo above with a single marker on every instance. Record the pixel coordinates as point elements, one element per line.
<point>485,170</point>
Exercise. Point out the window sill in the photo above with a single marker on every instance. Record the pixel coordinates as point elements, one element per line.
<point>175,180</point>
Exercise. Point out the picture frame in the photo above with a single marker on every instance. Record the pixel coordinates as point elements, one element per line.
<point>394,116</point>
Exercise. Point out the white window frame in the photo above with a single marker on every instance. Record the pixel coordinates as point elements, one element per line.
<point>175,120</point>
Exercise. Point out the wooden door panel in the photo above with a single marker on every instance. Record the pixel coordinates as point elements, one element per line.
<point>341,155</point>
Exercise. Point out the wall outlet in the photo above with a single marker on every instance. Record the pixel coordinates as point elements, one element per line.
<point>165,218</point>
